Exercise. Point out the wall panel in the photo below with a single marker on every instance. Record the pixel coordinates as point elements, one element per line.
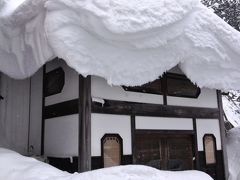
<point>61,136</point>
<point>105,123</point>
<point>162,123</point>
<point>101,89</point>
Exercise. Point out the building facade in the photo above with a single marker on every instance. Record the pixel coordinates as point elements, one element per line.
<point>82,124</point>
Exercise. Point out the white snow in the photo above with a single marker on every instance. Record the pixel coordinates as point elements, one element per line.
<point>233,151</point>
<point>14,166</point>
<point>231,110</point>
<point>126,42</point>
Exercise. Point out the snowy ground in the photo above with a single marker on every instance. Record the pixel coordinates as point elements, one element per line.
<point>14,166</point>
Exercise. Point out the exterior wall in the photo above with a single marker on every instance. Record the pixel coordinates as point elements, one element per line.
<point>208,126</point>
<point>14,113</point>
<point>102,90</point>
<point>61,136</point>
<point>207,98</point>
<point>161,123</point>
<point>61,133</point>
<point>70,89</point>
<point>105,123</point>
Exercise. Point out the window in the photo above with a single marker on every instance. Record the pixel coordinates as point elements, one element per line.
<point>209,142</point>
<point>54,82</point>
<point>111,150</point>
<point>171,84</point>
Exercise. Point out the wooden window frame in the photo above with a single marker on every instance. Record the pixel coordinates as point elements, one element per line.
<point>215,149</point>
<point>120,143</point>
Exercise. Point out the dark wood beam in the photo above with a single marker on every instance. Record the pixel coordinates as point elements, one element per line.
<point>197,165</point>
<point>222,132</point>
<point>43,110</point>
<point>164,132</point>
<point>61,109</point>
<point>133,129</point>
<point>84,159</point>
<point>143,109</point>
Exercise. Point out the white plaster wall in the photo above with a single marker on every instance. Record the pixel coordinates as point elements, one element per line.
<point>208,126</point>
<point>14,114</point>
<point>163,123</point>
<point>70,89</point>
<point>36,113</point>
<point>101,89</point>
<point>207,98</point>
<point>61,136</point>
<point>105,123</point>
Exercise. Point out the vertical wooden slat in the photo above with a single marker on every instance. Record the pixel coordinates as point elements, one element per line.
<point>84,159</point>
<point>164,88</point>
<point>222,132</point>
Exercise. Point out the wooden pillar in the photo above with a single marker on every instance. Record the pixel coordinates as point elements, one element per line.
<point>43,110</point>
<point>222,132</point>
<point>197,166</point>
<point>133,129</point>
<point>84,158</point>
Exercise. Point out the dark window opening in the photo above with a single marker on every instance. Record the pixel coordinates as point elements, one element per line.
<point>54,82</point>
<point>175,85</point>
<point>181,86</point>
<point>112,150</point>
<point>153,87</point>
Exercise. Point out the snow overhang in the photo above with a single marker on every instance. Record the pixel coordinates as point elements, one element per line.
<point>126,42</point>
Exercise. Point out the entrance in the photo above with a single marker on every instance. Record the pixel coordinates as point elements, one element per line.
<point>165,152</point>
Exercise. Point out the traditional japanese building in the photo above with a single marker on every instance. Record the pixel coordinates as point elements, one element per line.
<point>82,124</point>
<point>135,83</point>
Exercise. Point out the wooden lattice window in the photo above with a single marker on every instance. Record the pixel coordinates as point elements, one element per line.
<point>111,150</point>
<point>209,142</point>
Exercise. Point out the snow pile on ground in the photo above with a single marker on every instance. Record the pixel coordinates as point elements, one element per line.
<point>126,42</point>
<point>13,166</point>
<point>233,151</point>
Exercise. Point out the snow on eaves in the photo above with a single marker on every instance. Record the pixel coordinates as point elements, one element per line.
<point>126,42</point>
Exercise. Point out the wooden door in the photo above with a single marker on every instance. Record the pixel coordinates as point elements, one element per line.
<point>165,152</point>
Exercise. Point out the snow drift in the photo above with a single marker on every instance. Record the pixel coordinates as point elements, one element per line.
<point>126,42</point>
<point>233,151</point>
<point>14,166</point>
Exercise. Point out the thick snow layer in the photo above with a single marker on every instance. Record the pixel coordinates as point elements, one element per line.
<point>233,151</point>
<point>13,166</point>
<point>126,42</point>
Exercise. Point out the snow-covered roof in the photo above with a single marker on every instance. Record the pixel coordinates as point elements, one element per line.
<point>126,42</point>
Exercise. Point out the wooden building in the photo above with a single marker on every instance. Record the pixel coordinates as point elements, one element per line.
<point>82,124</point>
